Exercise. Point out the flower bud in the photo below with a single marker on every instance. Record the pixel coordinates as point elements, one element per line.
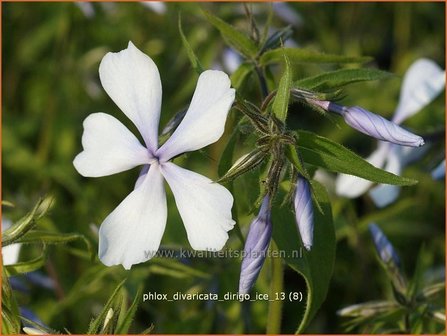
<point>384,248</point>
<point>378,127</point>
<point>255,249</point>
<point>304,212</point>
<point>390,260</point>
<point>371,124</point>
<point>439,172</point>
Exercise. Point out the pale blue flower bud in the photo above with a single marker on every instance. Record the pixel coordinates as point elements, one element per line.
<point>255,249</point>
<point>304,213</point>
<point>378,127</point>
<point>384,248</point>
<point>371,124</point>
<point>439,172</point>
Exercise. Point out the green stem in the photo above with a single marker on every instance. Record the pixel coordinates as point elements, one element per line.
<point>276,288</point>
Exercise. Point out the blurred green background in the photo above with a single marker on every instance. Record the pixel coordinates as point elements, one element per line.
<point>51,53</point>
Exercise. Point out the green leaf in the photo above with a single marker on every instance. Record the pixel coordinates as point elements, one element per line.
<point>322,152</point>
<point>233,37</point>
<point>10,309</point>
<point>238,77</point>
<point>226,160</point>
<point>316,265</point>
<point>281,102</point>
<point>416,282</point>
<point>27,266</point>
<point>277,39</point>
<point>176,269</point>
<point>54,238</point>
<point>292,155</point>
<point>191,55</point>
<point>124,326</point>
<point>296,55</point>
<point>340,78</point>
<point>97,324</point>
<point>27,222</point>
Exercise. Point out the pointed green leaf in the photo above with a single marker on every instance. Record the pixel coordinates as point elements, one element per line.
<point>54,238</point>
<point>26,266</point>
<point>226,160</point>
<point>26,223</point>
<point>297,55</point>
<point>233,37</point>
<point>176,269</point>
<point>314,266</point>
<point>238,77</point>
<point>97,324</point>
<point>340,78</point>
<point>281,102</point>
<point>123,327</point>
<point>292,155</point>
<point>10,309</point>
<point>322,152</point>
<point>191,55</point>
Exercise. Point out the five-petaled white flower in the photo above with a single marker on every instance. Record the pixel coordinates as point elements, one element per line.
<point>132,233</point>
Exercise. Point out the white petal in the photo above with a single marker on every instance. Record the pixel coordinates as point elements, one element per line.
<point>157,6</point>
<point>385,194</point>
<point>352,186</point>
<point>131,234</point>
<point>10,253</point>
<point>109,147</point>
<point>423,82</point>
<point>141,176</point>
<point>204,206</point>
<point>205,120</point>
<point>408,155</point>
<point>132,80</point>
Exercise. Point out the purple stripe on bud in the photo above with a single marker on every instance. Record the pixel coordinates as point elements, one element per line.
<point>304,212</point>
<point>378,127</point>
<point>255,249</point>
<point>384,248</point>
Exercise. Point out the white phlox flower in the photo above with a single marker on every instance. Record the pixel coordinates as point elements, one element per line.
<point>132,233</point>
<point>422,83</point>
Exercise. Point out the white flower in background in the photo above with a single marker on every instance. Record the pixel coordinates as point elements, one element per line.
<point>86,8</point>
<point>158,7</point>
<point>423,82</point>
<point>10,253</point>
<point>132,233</point>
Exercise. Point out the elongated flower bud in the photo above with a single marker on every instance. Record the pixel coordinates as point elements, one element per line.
<point>371,124</point>
<point>439,172</point>
<point>390,261</point>
<point>384,248</point>
<point>304,212</point>
<point>378,127</point>
<point>255,249</point>
<point>244,164</point>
